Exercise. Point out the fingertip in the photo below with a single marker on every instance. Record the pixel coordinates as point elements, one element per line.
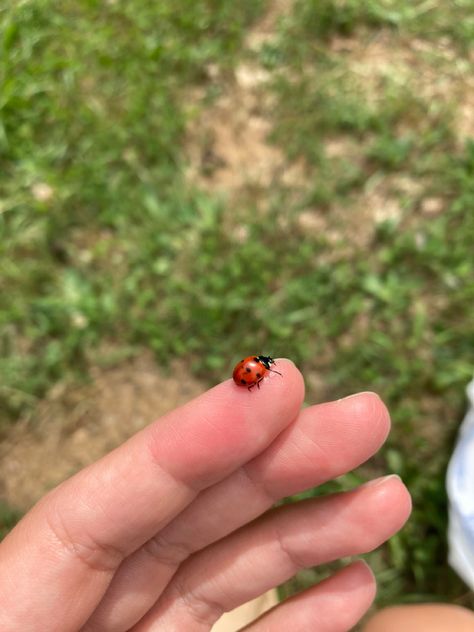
<point>359,581</point>
<point>288,368</point>
<point>289,360</point>
<point>399,497</point>
<point>356,576</point>
<point>361,573</point>
<point>368,406</point>
<point>349,593</point>
<point>362,578</point>
<point>393,491</point>
<point>389,501</point>
<point>226,426</point>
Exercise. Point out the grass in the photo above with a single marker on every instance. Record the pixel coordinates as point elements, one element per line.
<point>106,248</point>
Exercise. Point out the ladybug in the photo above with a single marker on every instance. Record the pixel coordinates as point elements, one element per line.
<point>252,370</point>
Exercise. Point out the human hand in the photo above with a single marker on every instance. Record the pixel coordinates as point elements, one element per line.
<point>172,528</point>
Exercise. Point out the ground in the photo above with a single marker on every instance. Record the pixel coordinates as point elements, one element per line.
<point>294,178</point>
<point>76,425</point>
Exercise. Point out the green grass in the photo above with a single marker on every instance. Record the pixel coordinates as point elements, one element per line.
<point>119,252</point>
<point>94,103</point>
<point>406,295</point>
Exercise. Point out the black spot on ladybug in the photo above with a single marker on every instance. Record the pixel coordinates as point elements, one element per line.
<point>256,360</point>
<point>259,375</point>
<point>243,382</point>
<point>248,370</point>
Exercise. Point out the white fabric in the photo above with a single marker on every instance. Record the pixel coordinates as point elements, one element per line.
<point>460,487</point>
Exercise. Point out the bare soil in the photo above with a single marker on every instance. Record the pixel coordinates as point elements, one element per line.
<point>74,426</point>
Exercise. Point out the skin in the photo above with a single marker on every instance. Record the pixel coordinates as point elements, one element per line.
<point>429,617</point>
<point>175,526</point>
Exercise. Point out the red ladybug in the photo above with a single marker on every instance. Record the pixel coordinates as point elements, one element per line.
<point>252,370</point>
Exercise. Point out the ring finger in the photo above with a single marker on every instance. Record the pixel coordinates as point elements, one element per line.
<point>272,549</point>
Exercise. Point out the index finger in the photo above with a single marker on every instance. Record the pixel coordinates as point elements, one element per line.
<point>75,538</point>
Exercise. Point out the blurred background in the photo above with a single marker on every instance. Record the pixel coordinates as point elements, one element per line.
<point>183,183</point>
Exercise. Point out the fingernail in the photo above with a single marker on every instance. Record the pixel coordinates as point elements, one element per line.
<point>343,399</point>
<point>380,481</point>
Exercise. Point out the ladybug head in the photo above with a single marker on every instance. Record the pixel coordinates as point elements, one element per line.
<point>266,361</point>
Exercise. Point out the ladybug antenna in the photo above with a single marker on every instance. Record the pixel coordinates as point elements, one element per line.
<point>268,361</point>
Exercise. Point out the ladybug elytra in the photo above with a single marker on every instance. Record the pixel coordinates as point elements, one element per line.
<point>252,370</point>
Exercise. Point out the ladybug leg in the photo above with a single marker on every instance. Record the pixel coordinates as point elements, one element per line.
<point>274,371</point>
<point>255,383</point>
